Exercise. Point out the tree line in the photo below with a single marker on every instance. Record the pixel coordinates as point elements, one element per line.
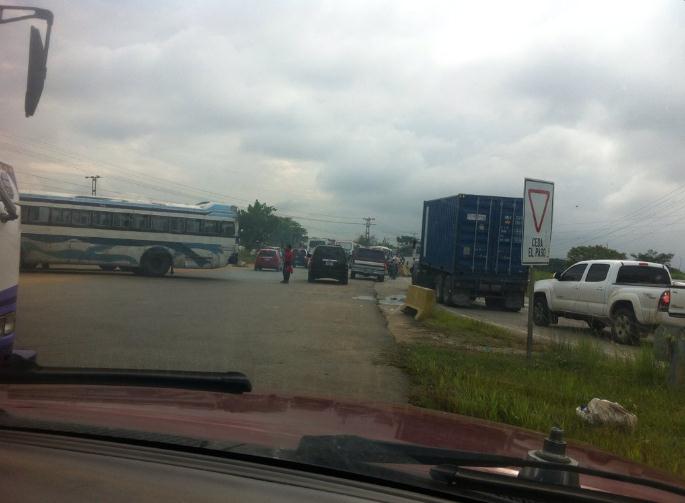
<point>259,226</point>
<point>599,252</point>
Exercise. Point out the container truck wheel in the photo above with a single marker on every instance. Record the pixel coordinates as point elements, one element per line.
<point>440,289</point>
<point>541,314</point>
<point>494,302</point>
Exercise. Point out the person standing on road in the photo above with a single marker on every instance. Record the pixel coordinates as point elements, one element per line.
<point>288,263</point>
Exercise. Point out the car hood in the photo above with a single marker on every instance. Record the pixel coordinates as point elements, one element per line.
<point>279,422</point>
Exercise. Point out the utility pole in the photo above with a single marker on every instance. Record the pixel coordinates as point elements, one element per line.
<point>93,184</point>
<point>368,223</point>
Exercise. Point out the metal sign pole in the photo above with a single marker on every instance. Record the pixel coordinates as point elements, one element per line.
<point>529,338</point>
<point>538,209</point>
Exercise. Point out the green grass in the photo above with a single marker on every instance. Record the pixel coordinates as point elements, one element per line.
<point>677,274</point>
<point>473,332</point>
<point>538,274</point>
<point>506,388</point>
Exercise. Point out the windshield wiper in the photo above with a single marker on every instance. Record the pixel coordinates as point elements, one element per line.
<point>29,373</point>
<point>351,452</point>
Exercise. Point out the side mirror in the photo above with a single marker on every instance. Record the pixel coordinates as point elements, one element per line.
<point>557,275</point>
<point>35,79</point>
<point>38,59</point>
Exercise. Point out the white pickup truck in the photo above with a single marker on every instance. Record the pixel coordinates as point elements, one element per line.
<point>672,306</point>
<point>624,294</point>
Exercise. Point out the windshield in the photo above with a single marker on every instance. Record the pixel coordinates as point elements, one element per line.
<point>180,188</point>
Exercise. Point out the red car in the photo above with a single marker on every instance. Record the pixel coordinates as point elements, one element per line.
<point>126,442</point>
<point>268,258</point>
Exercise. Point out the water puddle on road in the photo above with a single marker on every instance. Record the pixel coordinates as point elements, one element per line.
<point>365,297</point>
<point>392,300</point>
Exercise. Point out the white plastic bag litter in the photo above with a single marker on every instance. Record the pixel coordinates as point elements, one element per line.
<point>599,411</point>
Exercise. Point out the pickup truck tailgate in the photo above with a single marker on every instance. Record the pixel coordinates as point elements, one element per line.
<point>677,307</point>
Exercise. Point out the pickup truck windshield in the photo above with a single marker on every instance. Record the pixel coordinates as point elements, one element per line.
<point>636,274</point>
<point>370,255</point>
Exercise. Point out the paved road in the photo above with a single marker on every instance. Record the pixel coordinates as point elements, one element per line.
<point>321,338</point>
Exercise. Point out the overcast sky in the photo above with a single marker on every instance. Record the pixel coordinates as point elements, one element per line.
<point>333,111</point>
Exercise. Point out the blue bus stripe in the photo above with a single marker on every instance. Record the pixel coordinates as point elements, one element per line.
<point>103,243</point>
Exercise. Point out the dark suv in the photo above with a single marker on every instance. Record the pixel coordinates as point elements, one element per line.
<point>328,262</point>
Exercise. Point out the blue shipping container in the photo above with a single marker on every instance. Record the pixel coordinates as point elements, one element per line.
<point>468,235</point>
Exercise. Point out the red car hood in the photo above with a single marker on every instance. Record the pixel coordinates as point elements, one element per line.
<point>279,422</point>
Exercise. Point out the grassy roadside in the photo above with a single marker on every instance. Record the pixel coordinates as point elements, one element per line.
<point>473,332</point>
<point>502,387</point>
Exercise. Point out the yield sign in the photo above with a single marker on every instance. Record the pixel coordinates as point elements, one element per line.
<point>538,212</point>
<point>541,200</point>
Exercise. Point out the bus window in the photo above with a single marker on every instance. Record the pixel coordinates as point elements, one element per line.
<point>228,229</point>
<point>159,224</point>
<point>101,219</point>
<point>193,226</point>
<point>141,222</point>
<point>210,227</point>
<point>38,215</point>
<point>80,218</point>
<point>60,216</point>
<point>122,220</point>
<point>176,225</point>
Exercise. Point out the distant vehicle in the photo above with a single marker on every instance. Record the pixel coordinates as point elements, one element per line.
<point>314,242</point>
<point>386,251</point>
<point>328,262</point>
<point>268,258</point>
<point>624,294</point>
<point>142,237</point>
<point>300,258</point>
<point>471,247</point>
<point>348,246</point>
<point>368,262</point>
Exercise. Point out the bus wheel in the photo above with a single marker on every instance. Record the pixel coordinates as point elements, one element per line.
<point>155,264</point>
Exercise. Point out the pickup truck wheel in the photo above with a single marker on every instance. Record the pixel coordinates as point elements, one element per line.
<point>624,328</point>
<point>541,314</point>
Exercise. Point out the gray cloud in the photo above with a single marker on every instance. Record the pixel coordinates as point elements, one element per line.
<point>353,109</point>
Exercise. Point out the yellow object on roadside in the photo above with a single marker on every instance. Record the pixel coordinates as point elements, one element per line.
<point>421,300</point>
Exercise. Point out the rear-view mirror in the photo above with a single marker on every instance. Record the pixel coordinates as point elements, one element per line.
<point>557,275</point>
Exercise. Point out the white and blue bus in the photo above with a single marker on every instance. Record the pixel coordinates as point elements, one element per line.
<point>9,257</point>
<point>141,237</point>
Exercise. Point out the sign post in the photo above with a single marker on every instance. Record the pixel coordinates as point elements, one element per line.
<point>538,209</point>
